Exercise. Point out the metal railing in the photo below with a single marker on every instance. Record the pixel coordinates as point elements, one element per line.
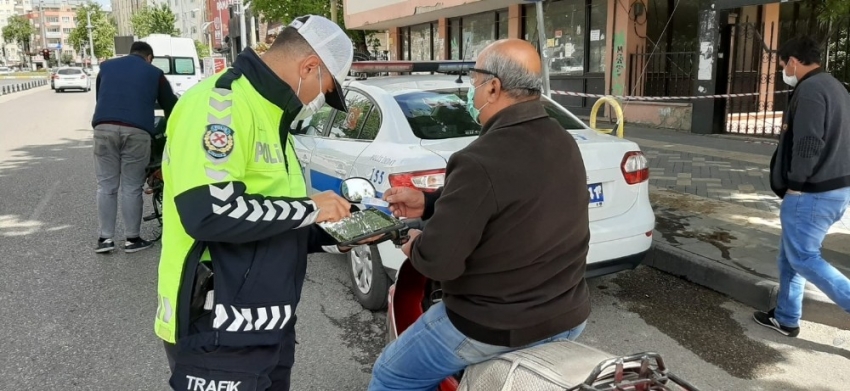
<point>661,73</point>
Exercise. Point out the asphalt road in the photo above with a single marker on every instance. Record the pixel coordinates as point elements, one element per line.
<point>77,321</point>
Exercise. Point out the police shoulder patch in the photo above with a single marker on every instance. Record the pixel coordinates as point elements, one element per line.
<point>218,141</point>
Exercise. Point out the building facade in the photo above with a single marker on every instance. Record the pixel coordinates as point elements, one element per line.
<point>123,10</point>
<point>639,48</point>
<point>54,21</point>
<point>10,53</point>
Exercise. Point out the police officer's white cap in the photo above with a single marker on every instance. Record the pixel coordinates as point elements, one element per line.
<point>334,48</point>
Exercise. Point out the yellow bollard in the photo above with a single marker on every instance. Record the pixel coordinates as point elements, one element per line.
<point>617,110</point>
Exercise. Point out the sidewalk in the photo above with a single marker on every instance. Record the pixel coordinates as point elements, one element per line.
<point>717,221</point>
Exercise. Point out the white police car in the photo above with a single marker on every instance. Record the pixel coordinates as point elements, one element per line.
<point>401,130</point>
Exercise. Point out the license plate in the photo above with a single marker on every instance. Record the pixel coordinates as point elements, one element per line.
<point>597,198</point>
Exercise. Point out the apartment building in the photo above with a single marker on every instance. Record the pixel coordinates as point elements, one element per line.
<point>54,21</point>
<point>123,10</point>
<point>10,53</point>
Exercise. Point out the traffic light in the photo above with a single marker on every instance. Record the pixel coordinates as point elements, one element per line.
<point>46,54</point>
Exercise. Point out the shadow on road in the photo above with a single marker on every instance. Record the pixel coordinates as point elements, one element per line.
<point>695,318</point>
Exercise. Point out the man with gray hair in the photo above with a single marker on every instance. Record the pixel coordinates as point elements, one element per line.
<point>507,237</point>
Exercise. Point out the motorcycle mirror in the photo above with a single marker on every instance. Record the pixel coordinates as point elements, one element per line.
<point>356,189</point>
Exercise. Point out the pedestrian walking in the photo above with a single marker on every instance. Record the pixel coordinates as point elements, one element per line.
<point>810,171</point>
<point>127,89</point>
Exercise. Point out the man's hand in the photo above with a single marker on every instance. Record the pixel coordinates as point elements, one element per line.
<point>331,207</point>
<point>405,202</point>
<point>413,233</point>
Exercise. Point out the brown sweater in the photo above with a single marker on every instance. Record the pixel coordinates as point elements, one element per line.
<point>508,234</point>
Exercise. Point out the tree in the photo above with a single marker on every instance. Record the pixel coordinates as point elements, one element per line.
<point>102,33</point>
<point>19,30</point>
<point>154,20</point>
<point>67,59</point>
<point>203,49</point>
<point>285,11</point>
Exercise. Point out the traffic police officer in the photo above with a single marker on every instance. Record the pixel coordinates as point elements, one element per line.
<point>238,224</point>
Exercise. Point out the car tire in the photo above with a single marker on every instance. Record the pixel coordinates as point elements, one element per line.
<point>369,281</point>
<point>57,90</point>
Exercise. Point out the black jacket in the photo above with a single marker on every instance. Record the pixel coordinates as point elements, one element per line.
<point>508,235</point>
<point>812,155</point>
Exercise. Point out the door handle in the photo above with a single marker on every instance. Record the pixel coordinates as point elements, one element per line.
<point>340,171</point>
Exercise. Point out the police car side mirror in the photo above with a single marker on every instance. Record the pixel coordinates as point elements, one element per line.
<point>356,189</point>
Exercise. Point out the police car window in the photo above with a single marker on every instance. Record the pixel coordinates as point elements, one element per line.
<point>438,114</point>
<point>315,125</point>
<point>184,66</point>
<point>348,125</point>
<point>441,114</point>
<point>371,125</point>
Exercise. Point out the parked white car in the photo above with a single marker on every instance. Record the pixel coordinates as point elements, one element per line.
<point>401,131</point>
<point>71,78</point>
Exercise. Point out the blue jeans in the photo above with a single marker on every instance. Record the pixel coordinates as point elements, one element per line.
<point>806,219</point>
<point>433,349</point>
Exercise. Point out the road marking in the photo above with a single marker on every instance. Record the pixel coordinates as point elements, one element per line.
<point>739,156</point>
<point>44,200</point>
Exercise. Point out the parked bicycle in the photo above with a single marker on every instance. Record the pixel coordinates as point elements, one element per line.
<point>153,174</point>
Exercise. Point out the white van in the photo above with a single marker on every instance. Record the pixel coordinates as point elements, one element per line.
<point>178,58</point>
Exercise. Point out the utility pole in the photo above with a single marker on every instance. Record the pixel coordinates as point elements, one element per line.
<point>43,27</point>
<point>91,39</point>
<point>243,35</point>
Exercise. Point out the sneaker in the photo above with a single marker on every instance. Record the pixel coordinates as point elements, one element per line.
<point>767,319</point>
<point>104,246</point>
<point>132,245</point>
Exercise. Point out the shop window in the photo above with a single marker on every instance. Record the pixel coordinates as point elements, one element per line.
<point>503,25</point>
<point>421,42</point>
<point>565,29</point>
<point>454,38</point>
<point>479,30</point>
<point>598,24</point>
<point>405,43</point>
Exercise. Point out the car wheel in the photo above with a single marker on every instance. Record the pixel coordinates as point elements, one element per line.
<point>57,90</point>
<point>369,281</point>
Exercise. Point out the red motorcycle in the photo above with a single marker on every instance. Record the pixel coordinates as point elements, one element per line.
<point>563,365</point>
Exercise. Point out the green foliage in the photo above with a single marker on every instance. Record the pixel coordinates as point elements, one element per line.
<point>202,48</point>
<point>832,10</point>
<point>154,20</point>
<point>285,11</point>
<point>103,32</point>
<point>67,59</point>
<point>18,30</point>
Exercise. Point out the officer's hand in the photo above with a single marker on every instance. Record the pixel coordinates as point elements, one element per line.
<point>331,207</point>
<point>406,202</point>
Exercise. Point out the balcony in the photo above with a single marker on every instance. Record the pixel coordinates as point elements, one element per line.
<point>53,34</point>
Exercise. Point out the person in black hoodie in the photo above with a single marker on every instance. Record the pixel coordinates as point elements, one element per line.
<point>810,171</point>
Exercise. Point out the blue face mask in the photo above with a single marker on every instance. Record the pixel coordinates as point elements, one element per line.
<point>470,104</point>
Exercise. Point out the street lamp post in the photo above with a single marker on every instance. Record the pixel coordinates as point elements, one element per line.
<point>89,26</point>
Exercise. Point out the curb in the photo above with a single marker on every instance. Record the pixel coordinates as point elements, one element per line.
<point>739,285</point>
<point>13,88</point>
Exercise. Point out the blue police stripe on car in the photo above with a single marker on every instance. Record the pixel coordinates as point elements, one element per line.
<point>323,182</point>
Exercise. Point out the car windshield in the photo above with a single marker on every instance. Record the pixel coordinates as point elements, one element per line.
<point>441,114</point>
<point>69,72</point>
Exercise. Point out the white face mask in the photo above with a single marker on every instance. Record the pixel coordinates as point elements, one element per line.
<point>790,80</point>
<point>315,105</point>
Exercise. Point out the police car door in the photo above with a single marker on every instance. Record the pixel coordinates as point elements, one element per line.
<point>336,153</point>
<point>305,134</point>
